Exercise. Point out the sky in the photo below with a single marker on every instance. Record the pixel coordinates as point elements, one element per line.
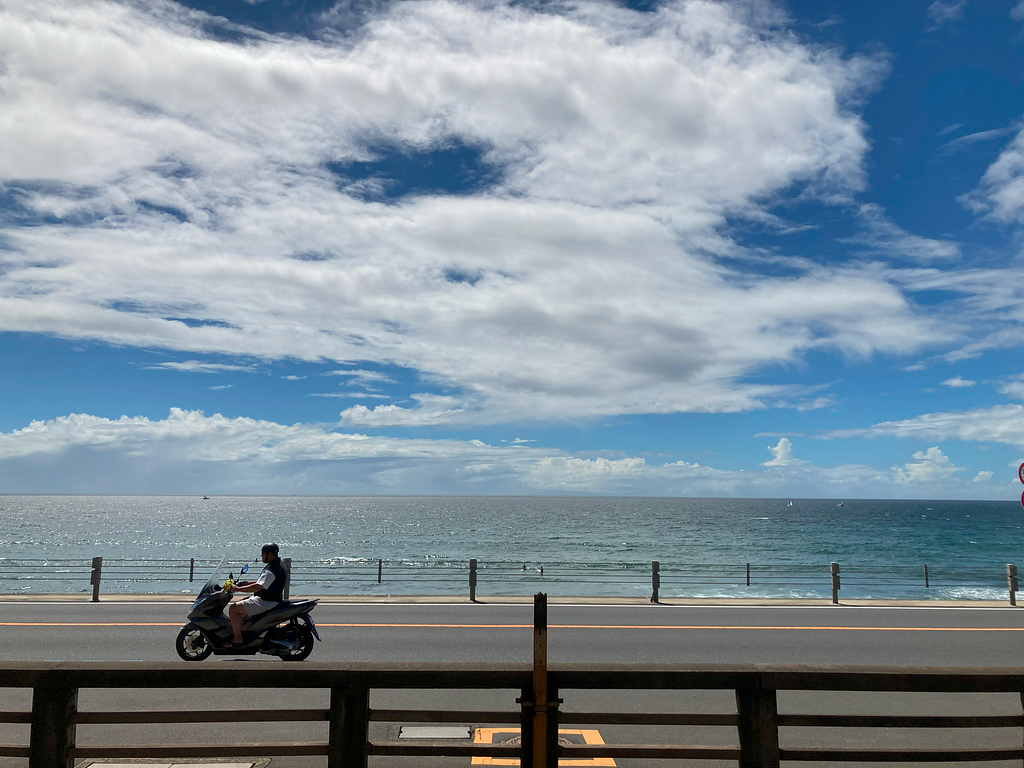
<point>757,249</point>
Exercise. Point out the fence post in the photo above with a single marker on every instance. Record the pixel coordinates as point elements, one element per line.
<point>52,735</point>
<point>834,571</point>
<point>472,580</point>
<point>287,563</point>
<point>94,578</point>
<point>748,574</point>
<point>926,577</point>
<point>380,568</point>
<point>655,580</point>
<point>758,727</point>
<point>526,712</point>
<point>540,682</point>
<point>348,728</point>
<point>1011,582</point>
<point>191,568</point>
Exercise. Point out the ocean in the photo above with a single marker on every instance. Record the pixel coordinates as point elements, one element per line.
<point>881,545</point>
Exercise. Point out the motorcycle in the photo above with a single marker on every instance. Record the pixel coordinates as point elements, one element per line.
<point>287,630</point>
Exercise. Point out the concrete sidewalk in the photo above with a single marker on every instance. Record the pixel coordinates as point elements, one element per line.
<point>187,598</point>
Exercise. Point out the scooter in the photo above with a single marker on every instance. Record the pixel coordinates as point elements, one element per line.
<point>287,630</point>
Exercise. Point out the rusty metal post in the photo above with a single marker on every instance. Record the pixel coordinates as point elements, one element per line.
<point>287,563</point>
<point>655,580</point>
<point>52,735</point>
<point>472,580</point>
<point>926,577</point>
<point>1011,582</point>
<point>834,570</point>
<point>191,568</point>
<point>748,574</point>
<point>380,569</point>
<point>94,578</point>
<point>540,682</point>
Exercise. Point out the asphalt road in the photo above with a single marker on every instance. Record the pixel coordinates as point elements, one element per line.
<point>584,633</point>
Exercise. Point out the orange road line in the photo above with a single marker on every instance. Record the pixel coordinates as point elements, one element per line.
<point>530,626</point>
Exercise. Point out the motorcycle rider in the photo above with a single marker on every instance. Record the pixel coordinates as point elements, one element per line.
<point>268,589</point>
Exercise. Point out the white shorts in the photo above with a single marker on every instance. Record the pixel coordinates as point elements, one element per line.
<point>255,605</point>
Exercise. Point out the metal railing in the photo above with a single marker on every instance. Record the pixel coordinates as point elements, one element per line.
<point>371,576</point>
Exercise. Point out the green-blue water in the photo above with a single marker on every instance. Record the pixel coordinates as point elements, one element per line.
<point>949,536</point>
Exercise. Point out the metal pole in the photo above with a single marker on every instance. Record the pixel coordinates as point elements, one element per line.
<point>472,580</point>
<point>191,568</point>
<point>540,681</point>
<point>1011,582</point>
<point>287,563</point>
<point>380,569</point>
<point>926,577</point>
<point>748,574</point>
<point>655,580</point>
<point>94,578</point>
<point>834,570</point>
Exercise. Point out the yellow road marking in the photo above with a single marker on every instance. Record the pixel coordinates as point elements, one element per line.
<point>530,626</point>
<point>590,736</point>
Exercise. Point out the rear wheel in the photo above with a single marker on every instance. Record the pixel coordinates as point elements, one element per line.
<point>191,644</point>
<point>302,645</point>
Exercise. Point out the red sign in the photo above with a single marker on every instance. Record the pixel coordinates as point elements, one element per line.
<point>1020,472</point>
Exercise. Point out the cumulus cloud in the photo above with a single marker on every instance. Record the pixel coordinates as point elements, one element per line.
<point>929,466</point>
<point>160,165</point>
<point>998,424</point>
<point>362,378</point>
<point>430,410</point>
<point>1000,194</point>
<point>243,455</point>
<point>782,454</point>
<point>984,476</point>
<point>958,383</point>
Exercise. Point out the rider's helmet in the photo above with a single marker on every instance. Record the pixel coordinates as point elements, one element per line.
<point>271,548</point>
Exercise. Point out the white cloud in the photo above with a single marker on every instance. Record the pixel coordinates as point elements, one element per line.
<point>1017,12</point>
<point>958,383</point>
<point>219,387</point>
<point>881,234</point>
<point>998,424</point>
<point>430,410</point>
<point>351,395</point>
<point>293,377</point>
<point>1000,194</point>
<point>1013,388</point>
<point>930,466</point>
<point>941,13</point>
<point>622,143</point>
<point>189,449</point>
<point>362,378</point>
<point>782,454</point>
<point>984,476</point>
<point>198,366</point>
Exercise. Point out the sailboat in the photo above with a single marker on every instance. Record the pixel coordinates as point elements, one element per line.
<point>790,503</point>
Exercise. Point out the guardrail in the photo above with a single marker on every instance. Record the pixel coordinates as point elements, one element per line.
<point>497,578</point>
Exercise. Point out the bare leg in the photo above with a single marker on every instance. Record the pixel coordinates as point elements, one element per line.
<point>235,614</point>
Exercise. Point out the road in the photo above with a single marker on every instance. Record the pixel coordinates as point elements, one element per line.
<point>579,633</point>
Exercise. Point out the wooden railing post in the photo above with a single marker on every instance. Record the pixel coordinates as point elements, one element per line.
<point>655,580</point>
<point>472,580</point>
<point>287,563</point>
<point>1011,582</point>
<point>191,568</point>
<point>525,703</point>
<point>540,684</point>
<point>52,735</point>
<point>348,729</point>
<point>758,727</point>
<point>834,571</point>
<point>94,578</point>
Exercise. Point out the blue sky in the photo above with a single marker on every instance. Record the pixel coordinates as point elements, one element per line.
<point>681,248</point>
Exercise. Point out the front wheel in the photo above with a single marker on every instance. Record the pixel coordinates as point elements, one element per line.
<point>191,644</point>
<point>301,647</point>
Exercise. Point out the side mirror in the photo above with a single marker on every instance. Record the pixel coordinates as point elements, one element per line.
<point>245,569</point>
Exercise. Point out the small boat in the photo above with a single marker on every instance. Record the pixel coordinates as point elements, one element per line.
<point>790,503</point>
<point>205,497</point>
<point>840,504</point>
